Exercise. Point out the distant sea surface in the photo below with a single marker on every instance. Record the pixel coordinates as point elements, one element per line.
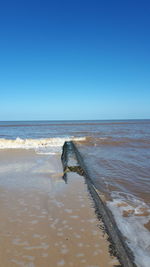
<point>117,155</point>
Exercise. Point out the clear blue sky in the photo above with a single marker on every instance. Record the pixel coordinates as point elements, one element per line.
<point>74,59</point>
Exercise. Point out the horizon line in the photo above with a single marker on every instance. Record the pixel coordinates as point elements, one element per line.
<point>76,120</point>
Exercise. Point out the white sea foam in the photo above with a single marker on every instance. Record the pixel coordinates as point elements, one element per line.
<point>42,145</point>
<point>131,214</point>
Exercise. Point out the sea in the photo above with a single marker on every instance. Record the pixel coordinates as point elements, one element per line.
<point>117,156</point>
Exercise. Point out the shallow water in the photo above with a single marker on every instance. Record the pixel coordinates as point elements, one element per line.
<point>117,154</point>
<point>44,221</point>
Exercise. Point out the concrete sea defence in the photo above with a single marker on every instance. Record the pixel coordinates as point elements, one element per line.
<point>73,161</point>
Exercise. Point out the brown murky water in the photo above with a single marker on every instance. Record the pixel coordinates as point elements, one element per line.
<point>45,222</point>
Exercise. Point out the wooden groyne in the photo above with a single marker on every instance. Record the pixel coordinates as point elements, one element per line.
<point>73,161</point>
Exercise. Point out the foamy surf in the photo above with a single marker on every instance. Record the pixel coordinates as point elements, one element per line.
<point>42,145</point>
<point>131,215</point>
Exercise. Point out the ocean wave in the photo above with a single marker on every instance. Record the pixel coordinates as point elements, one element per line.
<point>41,144</point>
<point>132,215</point>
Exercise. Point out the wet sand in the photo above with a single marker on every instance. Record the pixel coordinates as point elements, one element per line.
<point>44,221</point>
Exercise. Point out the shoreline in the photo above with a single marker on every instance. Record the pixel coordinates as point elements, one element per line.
<point>44,221</point>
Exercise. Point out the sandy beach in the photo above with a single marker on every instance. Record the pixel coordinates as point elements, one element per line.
<point>44,221</point>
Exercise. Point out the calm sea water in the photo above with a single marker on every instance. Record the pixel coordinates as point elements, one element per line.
<point>117,154</point>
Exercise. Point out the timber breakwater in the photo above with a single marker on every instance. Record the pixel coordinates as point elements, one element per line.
<point>73,162</point>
